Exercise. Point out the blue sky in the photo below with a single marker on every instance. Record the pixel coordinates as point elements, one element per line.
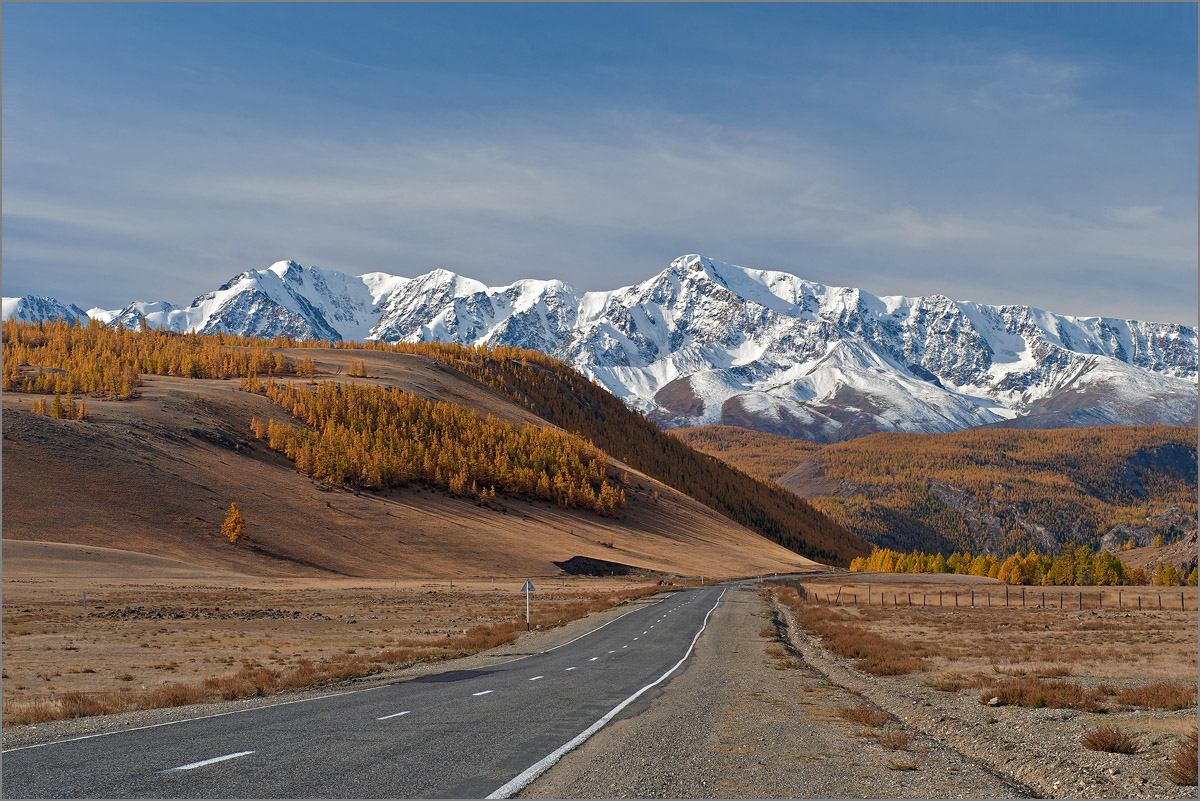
<point>1002,153</point>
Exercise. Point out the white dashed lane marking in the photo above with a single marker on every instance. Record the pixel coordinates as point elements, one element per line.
<point>394,715</point>
<point>202,763</point>
<point>483,692</point>
<point>593,659</point>
<point>535,678</point>
<point>570,668</point>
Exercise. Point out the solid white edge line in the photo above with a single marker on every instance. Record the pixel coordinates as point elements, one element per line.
<point>394,715</point>
<point>213,761</point>
<point>517,783</point>
<point>189,720</point>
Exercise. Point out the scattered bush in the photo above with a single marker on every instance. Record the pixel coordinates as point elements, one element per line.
<point>895,739</point>
<point>1110,739</point>
<point>864,714</point>
<point>1035,693</point>
<point>1170,695</point>
<point>1182,768</point>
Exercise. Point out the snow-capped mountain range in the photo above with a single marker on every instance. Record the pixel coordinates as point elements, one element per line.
<point>708,342</point>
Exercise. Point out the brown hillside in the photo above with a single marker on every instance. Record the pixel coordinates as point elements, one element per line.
<point>766,456</point>
<point>997,490</point>
<point>156,475</point>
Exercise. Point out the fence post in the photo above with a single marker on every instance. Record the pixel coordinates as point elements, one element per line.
<point>1081,599</point>
<point>1043,599</point>
<point>1160,602</point>
<point>1022,597</point>
<point>1006,595</point>
<point>972,599</point>
<point>956,599</point>
<point>1181,609</point>
<point>1120,602</point>
<point>868,594</point>
<point>1100,599</point>
<point>1139,603</point>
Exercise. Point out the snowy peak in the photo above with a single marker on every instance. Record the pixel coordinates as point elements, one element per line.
<point>35,308</point>
<point>705,341</point>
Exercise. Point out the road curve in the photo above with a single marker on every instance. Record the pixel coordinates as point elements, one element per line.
<point>462,734</point>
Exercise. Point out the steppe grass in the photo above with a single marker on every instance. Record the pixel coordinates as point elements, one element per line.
<point>1182,767</point>
<point>840,633</point>
<point>896,739</point>
<point>252,681</point>
<point>1170,695</point>
<point>864,714</point>
<point>1036,693</point>
<point>1110,739</point>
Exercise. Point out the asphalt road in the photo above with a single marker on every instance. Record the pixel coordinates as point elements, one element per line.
<point>463,734</point>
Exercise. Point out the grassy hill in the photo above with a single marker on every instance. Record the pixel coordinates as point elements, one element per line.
<point>997,489</point>
<point>168,443</point>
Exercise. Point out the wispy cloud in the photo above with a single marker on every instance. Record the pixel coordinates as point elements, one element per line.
<point>600,209</point>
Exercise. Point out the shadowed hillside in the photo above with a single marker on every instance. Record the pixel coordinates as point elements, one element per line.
<point>1000,490</point>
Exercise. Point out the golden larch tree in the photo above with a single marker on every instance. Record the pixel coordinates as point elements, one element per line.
<point>234,526</point>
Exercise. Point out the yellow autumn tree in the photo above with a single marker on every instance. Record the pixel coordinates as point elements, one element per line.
<point>234,526</point>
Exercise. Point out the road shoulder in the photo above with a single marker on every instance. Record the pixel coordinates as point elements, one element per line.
<point>741,722</point>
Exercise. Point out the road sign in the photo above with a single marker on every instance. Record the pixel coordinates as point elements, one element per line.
<point>528,589</point>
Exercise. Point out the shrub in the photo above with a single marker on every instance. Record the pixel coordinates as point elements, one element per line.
<point>864,714</point>
<point>1170,695</point>
<point>1110,739</point>
<point>1182,769</point>
<point>1035,693</point>
<point>895,739</point>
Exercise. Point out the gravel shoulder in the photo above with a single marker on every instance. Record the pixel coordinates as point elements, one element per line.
<point>743,722</point>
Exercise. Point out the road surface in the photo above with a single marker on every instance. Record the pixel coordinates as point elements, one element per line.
<point>462,734</point>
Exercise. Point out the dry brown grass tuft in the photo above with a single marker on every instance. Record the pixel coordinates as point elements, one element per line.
<point>1169,695</point>
<point>1182,767</point>
<point>864,714</point>
<point>1110,739</point>
<point>895,739</point>
<point>1035,693</point>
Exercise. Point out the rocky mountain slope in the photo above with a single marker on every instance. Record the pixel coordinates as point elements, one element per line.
<point>706,342</point>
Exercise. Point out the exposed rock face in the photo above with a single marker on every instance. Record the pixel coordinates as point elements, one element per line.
<point>707,342</point>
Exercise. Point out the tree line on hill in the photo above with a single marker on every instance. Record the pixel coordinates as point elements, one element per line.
<point>1072,567</point>
<point>96,359</point>
<point>374,437</point>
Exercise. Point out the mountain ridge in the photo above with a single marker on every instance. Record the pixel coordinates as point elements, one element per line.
<point>706,342</point>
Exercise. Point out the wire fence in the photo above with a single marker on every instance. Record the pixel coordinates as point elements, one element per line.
<point>1009,597</point>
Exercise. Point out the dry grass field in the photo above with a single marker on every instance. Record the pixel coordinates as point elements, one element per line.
<point>1072,703</point>
<point>989,640</point>
<point>165,634</point>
